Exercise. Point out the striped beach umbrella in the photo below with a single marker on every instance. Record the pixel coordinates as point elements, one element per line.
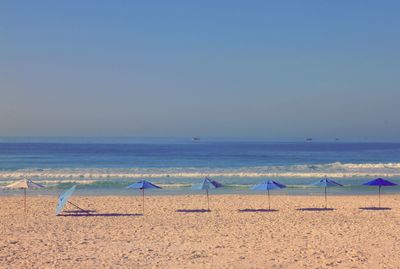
<point>24,184</point>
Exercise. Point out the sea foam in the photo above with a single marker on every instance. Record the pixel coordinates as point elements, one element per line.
<point>333,170</point>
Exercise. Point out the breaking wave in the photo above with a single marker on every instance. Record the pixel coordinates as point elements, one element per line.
<point>333,170</point>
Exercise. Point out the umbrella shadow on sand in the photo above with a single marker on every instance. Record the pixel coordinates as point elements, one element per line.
<point>193,210</point>
<point>375,208</point>
<point>257,210</point>
<point>315,209</point>
<point>76,213</point>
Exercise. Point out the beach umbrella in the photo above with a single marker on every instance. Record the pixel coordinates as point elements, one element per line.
<point>24,184</point>
<point>142,185</point>
<point>268,185</point>
<point>327,183</point>
<point>380,182</point>
<point>63,199</point>
<point>206,185</point>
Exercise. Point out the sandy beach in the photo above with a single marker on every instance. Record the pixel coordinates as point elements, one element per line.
<point>175,234</point>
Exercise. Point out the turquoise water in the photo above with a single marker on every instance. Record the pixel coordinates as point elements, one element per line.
<point>107,165</point>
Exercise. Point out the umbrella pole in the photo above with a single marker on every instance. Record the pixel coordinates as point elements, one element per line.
<point>326,200</point>
<point>379,196</point>
<point>143,200</point>
<point>25,201</point>
<point>269,201</point>
<point>208,201</point>
<point>81,209</point>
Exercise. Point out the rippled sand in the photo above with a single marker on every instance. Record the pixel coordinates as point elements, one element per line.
<point>175,234</point>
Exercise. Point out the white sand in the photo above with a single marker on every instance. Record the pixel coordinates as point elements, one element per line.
<point>347,237</point>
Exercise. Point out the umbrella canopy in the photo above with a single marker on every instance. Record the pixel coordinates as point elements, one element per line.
<point>63,199</point>
<point>268,185</point>
<point>326,183</point>
<point>207,184</point>
<point>142,185</point>
<point>24,184</point>
<point>380,182</point>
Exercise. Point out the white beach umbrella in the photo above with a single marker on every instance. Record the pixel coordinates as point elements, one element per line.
<point>24,184</point>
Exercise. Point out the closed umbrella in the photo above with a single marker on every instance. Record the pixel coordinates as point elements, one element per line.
<point>380,182</point>
<point>142,185</point>
<point>268,185</point>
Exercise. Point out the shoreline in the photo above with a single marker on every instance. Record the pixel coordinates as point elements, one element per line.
<point>240,193</point>
<point>179,191</point>
<point>154,197</point>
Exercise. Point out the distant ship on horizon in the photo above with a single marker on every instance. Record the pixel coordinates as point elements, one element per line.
<point>196,139</point>
<point>309,139</point>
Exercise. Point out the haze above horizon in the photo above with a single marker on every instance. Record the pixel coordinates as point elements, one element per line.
<point>210,69</point>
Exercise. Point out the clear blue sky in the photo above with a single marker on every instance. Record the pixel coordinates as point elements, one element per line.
<point>200,68</point>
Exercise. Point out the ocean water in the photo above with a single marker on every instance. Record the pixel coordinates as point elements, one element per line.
<point>107,165</point>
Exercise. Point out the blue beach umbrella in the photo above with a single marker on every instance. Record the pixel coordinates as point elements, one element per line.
<point>268,185</point>
<point>380,182</point>
<point>327,183</point>
<point>63,199</point>
<point>142,185</point>
<point>206,185</point>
